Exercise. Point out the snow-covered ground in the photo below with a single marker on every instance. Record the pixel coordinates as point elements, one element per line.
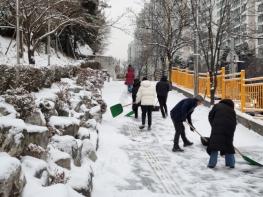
<point>132,163</point>
<point>8,56</point>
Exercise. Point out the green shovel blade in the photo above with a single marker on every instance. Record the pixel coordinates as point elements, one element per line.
<point>129,114</point>
<point>116,110</point>
<point>251,161</point>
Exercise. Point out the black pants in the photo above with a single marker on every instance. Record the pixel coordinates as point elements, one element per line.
<point>147,109</point>
<point>135,109</point>
<point>179,131</point>
<point>162,101</point>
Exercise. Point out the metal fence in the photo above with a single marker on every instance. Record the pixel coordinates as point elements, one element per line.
<point>247,93</point>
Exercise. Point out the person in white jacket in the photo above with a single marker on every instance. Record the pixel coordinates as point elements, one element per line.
<point>146,95</point>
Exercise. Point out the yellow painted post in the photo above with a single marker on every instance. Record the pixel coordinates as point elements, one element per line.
<point>208,85</point>
<point>243,91</point>
<point>223,83</point>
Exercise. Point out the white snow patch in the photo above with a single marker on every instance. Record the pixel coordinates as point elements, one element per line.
<point>11,122</point>
<point>36,129</point>
<point>63,121</point>
<point>94,110</point>
<point>55,154</point>
<point>8,165</point>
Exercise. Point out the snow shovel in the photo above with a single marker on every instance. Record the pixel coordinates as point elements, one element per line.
<point>249,160</point>
<point>117,109</point>
<point>129,114</point>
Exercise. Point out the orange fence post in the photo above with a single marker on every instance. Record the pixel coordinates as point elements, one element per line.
<point>223,83</point>
<point>243,91</point>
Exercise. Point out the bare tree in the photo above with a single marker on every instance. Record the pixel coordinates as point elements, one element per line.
<point>162,26</point>
<point>35,16</point>
<point>211,32</point>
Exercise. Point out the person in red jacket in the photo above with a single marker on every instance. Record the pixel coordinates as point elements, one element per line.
<point>129,78</point>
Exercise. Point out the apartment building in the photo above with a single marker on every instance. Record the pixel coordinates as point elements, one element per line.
<point>246,24</point>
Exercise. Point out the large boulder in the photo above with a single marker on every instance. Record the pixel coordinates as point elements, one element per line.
<point>81,179</point>
<point>62,159</point>
<point>12,180</point>
<point>12,135</point>
<point>91,134</point>
<point>94,113</point>
<point>37,135</point>
<point>35,170</point>
<point>65,125</point>
<point>36,141</point>
<point>88,151</point>
<point>36,118</point>
<point>67,144</point>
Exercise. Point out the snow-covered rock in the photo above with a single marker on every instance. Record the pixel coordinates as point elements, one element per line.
<point>35,170</point>
<point>62,159</point>
<point>37,135</point>
<point>48,108</point>
<point>81,179</point>
<point>7,109</point>
<point>91,134</point>
<point>66,125</point>
<point>67,144</point>
<point>91,123</point>
<point>36,118</point>
<point>12,135</point>
<point>88,151</point>
<point>15,136</point>
<point>12,180</point>
<point>57,190</point>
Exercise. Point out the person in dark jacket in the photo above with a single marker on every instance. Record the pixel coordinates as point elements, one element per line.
<point>162,89</point>
<point>222,119</point>
<point>180,113</point>
<point>135,89</point>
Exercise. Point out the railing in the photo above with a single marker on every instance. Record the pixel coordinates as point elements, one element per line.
<point>248,93</point>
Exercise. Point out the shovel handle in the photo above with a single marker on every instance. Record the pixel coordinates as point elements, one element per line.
<point>127,105</point>
<point>197,132</point>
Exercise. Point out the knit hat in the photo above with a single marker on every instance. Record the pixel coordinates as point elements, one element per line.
<point>199,98</point>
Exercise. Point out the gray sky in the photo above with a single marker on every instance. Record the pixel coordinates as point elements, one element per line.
<point>118,41</point>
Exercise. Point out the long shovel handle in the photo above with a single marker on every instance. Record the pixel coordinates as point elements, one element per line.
<point>197,132</point>
<point>127,105</point>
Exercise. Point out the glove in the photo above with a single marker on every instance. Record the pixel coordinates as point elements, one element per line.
<point>192,128</point>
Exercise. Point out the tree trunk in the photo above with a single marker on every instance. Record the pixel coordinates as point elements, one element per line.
<point>212,87</point>
<point>31,58</point>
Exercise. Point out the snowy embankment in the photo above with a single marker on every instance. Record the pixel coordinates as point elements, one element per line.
<point>8,55</point>
<point>132,163</point>
<point>49,138</point>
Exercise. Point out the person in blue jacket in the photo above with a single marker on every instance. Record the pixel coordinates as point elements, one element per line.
<point>179,114</point>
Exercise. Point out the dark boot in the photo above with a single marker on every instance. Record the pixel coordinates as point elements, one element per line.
<point>141,127</point>
<point>177,148</point>
<point>149,128</point>
<point>188,143</point>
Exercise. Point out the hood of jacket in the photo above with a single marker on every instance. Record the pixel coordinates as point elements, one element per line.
<point>164,78</point>
<point>146,83</point>
<point>228,102</point>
